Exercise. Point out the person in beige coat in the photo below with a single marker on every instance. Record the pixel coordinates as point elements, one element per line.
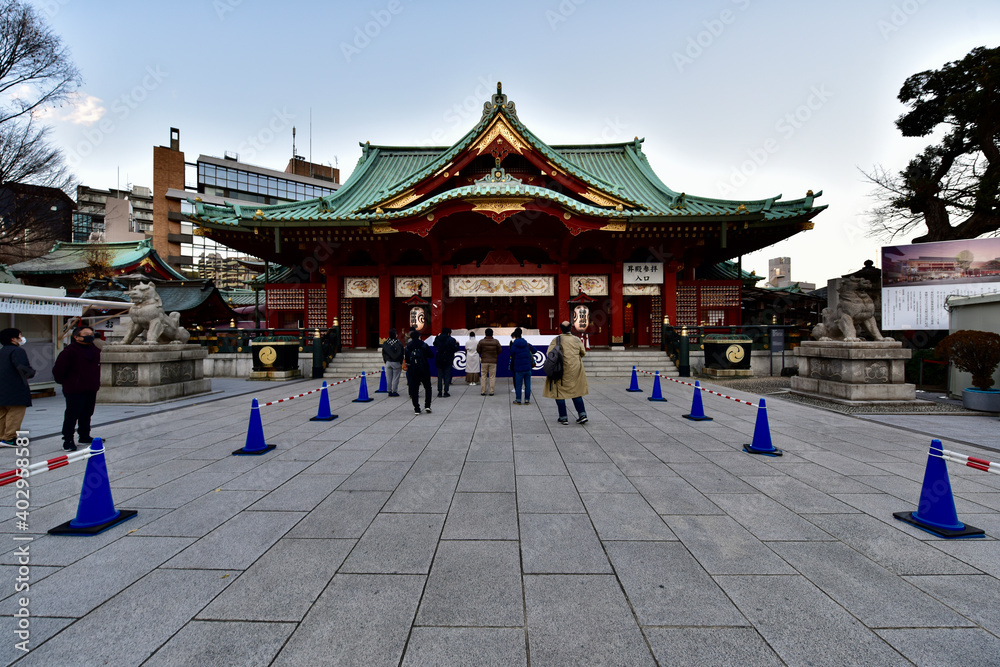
<point>573,384</point>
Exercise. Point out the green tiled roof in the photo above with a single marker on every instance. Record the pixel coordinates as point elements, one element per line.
<point>725,271</point>
<point>620,170</point>
<point>65,257</point>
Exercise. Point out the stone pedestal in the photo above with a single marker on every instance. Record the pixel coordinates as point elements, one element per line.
<point>861,372</point>
<point>152,373</point>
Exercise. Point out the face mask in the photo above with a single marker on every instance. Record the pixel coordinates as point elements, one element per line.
<point>22,340</point>
<point>88,339</point>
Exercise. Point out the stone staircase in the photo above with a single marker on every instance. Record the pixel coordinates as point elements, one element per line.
<point>351,362</point>
<point>598,362</point>
<point>618,363</point>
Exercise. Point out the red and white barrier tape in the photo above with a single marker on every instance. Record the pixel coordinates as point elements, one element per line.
<point>690,384</point>
<point>306,393</point>
<point>12,476</point>
<point>970,461</point>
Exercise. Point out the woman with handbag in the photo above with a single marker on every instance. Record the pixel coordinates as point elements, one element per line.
<point>573,382</point>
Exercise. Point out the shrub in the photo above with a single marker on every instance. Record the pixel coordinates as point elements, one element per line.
<point>976,352</point>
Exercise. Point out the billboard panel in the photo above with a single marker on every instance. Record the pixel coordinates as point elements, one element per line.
<point>917,278</point>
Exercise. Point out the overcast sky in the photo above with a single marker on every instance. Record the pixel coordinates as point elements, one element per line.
<point>740,99</point>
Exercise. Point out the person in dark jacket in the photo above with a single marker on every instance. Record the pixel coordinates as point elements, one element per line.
<point>522,360</point>
<point>418,371</point>
<point>392,355</point>
<point>15,395</point>
<point>78,370</point>
<point>445,347</point>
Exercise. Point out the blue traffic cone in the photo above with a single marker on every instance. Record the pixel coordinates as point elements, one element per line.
<point>697,413</point>
<point>761,443</point>
<point>96,511</point>
<point>657,393</point>
<point>255,435</point>
<point>383,388</point>
<point>324,414</point>
<point>363,391</point>
<point>635,382</point>
<point>936,512</point>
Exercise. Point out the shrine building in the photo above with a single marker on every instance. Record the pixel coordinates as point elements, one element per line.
<point>502,229</point>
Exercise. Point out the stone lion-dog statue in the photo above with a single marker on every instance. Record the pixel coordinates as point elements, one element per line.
<point>147,315</point>
<point>855,311</point>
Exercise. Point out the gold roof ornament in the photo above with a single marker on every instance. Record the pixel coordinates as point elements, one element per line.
<point>741,208</point>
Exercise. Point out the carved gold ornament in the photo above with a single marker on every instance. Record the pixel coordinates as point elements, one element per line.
<point>734,353</point>
<point>267,355</point>
<point>402,200</point>
<point>500,128</point>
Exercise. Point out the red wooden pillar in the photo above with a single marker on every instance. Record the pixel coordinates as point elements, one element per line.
<point>437,300</point>
<point>332,292</point>
<point>617,306</point>
<point>563,294</point>
<point>669,293</point>
<point>386,289</point>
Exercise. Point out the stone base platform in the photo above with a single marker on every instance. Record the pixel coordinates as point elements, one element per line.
<point>857,372</point>
<point>152,373</point>
<point>728,372</point>
<point>276,376</point>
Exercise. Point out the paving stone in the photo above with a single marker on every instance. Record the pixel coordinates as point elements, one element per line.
<point>283,583</point>
<point>487,476</point>
<point>973,596</point>
<point>673,495</point>
<point>377,476</point>
<point>202,515</point>
<point>534,442</point>
<point>824,479</point>
<point>875,596</point>
<point>966,647</point>
<point>539,463</point>
<point>710,478</point>
<point>797,496</point>
<point>722,546</point>
<point>666,586</point>
<point>215,643</point>
<point>267,476</point>
<point>180,491</point>
<point>474,584</point>
<point>84,585</point>
<point>237,543</point>
<point>482,516</point>
<point>41,630</point>
<point>574,620</point>
<point>599,478</point>
<point>786,610</point>
<point>438,462</point>
<point>561,543</point>
<point>397,544</point>
<point>711,647</point>
<point>360,619</point>
<point>344,514</point>
<point>640,463</point>
<point>982,554</point>
<point>766,518</point>
<point>889,546</point>
<point>423,493</point>
<point>339,462</point>
<point>625,516</point>
<point>131,625</point>
<point>302,493</point>
<point>466,647</point>
<point>548,495</point>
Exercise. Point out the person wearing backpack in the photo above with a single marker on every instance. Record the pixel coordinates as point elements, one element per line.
<point>522,359</point>
<point>572,382</point>
<point>418,371</point>
<point>392,356</point>
<point>446,347</point>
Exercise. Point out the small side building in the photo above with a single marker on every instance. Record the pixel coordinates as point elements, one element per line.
<point>971,313</point>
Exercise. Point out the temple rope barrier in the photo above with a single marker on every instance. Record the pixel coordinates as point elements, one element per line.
<point>689,384</point>
<point>306,393</point>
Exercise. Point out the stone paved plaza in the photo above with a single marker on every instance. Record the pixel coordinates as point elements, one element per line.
<point>487,534</point>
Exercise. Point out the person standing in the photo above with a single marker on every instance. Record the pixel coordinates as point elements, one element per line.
<point>522,360</point>
<point>418,371</point>
<point>573,384</point>
<point>15,395</point>
<point>489,351</point>
<point>446,347</point>
<point>471,360</point>
<point>78,370</point>
<point>392,356</point>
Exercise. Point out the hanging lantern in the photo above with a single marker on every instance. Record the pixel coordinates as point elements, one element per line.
<point>580,312</point>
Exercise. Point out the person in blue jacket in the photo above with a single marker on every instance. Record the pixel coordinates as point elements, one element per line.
<point>522,360</point>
